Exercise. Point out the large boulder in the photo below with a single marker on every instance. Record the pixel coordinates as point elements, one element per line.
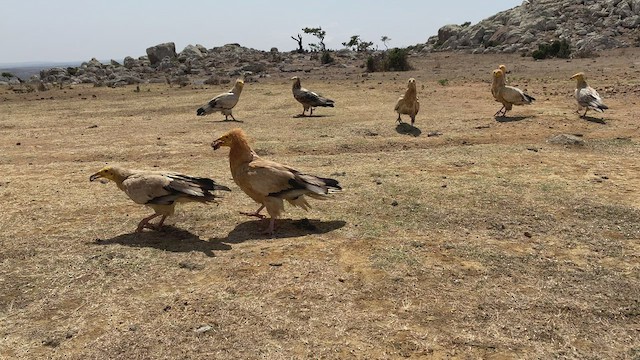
<point>157,53</point>
<point>191,51</point>
<point>447,31</point>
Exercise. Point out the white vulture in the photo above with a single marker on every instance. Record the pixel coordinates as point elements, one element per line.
<point>586,96</point>
<point>223,102</point>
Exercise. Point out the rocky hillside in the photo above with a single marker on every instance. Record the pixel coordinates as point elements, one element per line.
<point>588,25</point>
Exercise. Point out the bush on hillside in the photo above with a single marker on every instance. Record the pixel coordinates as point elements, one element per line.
<point>557,49</point>
<point>391,60</point>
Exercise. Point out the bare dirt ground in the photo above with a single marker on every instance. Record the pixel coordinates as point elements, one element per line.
<point>486,241</point>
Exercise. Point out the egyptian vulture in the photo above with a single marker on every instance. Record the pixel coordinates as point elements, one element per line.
<point>586,96</point>
<point>408,103</point>
<point>507,95</point>
<point>159,190</point>
<point>269,183</point>
<point>308,99</point>
<point>223,102</point>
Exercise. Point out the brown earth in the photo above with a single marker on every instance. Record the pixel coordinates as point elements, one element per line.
<point>486,241</point>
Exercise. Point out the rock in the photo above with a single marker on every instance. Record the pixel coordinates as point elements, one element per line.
<point>203,329</point>
<point>566,139</point>
<point>631,22</point>
<point>159,52</point>
<point>542,21</point>
<point>191,51</point>
<point>130,62</point>
<point>447,31</point>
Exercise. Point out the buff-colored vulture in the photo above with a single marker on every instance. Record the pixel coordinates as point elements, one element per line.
<point>161,191</point>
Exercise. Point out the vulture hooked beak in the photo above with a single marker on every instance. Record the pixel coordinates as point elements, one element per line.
<point>216,144</point>
<point>201,112</point>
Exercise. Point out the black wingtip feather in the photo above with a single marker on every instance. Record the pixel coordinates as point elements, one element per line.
<point>332,183</point>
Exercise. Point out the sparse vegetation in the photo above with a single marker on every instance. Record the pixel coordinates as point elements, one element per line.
<point>320,34</point>
<point>326,58</point>
<point>391,60</point>
<point>299,41</point>
<point>557,49</point>
<point>443,82</point>
<point>7,75</point>
<point>385,39</point>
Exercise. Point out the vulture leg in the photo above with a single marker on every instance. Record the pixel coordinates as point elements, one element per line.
<point>255,214</point>
<point>144,222</point>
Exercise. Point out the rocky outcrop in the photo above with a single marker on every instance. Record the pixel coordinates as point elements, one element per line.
<point>157,53</point>
<point>194,64</point>
<point>588,25</point>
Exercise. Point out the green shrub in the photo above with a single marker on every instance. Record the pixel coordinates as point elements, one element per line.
<point>557,49</point>
<point>390,60</point>
<point>326,58</point>
<point>371,64</point>
<point>396,60</point>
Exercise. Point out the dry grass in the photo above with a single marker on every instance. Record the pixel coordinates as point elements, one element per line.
<point>484,242</point>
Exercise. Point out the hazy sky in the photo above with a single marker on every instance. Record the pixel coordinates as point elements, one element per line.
<point>77,30</point>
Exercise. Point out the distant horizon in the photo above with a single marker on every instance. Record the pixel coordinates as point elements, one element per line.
<point>117,29</point>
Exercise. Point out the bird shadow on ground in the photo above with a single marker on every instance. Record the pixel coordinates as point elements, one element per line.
<point>308,116</point>
<point>505,119</point>
<point>408,129</point>
<point>285,228</point>
<point>170,238</point>
<point>225,121</point>
<point>594,120</point>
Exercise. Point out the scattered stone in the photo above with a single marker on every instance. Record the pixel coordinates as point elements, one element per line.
<point>51,342</point>
<point>434,133</point>
<point>566,139</point>
<point>528,234</point>
<point>92,127</point>
<point>190,265</point>
<point>203,329</point>
<point>394,203</point>
<point>275,264</point>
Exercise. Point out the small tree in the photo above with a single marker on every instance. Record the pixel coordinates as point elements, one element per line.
<point>320,34</point>
<point>364,45</point>
<point>384,40</point>
<point>357,44</point>
<point>353,42</point>
<point>299,41</point>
